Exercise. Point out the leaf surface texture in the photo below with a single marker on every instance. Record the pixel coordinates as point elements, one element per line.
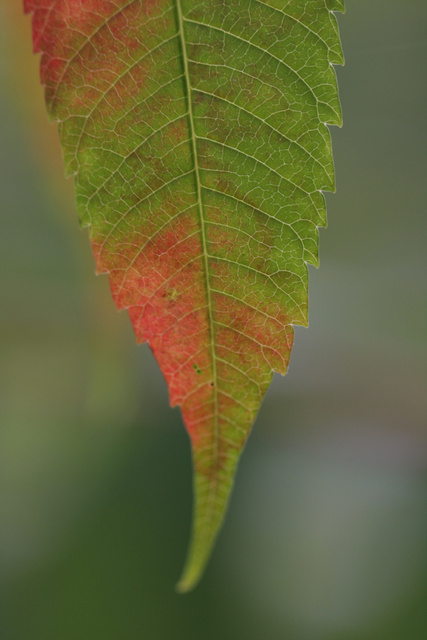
<point>196,131</point>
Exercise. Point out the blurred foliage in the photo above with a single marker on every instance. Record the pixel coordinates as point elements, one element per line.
<point>326,535</point>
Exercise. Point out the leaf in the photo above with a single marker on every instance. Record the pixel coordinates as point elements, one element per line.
<point>196,133</point>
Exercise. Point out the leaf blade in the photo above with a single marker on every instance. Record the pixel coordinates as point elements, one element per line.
<point>196,134</point>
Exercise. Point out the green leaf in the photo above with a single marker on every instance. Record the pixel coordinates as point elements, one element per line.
<point>196,133</point>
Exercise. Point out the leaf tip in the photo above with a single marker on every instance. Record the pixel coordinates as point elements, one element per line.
<point>211,495</point>
<point>193,569</point>
<point>186,584</point>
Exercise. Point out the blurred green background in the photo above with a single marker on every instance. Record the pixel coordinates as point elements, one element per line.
<point>326,536</point>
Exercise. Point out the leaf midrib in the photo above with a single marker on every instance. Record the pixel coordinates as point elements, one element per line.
<point>203,236</point>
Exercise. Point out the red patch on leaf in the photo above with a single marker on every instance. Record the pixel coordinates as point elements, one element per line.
<point>164,290</point>
<point>68,31</point>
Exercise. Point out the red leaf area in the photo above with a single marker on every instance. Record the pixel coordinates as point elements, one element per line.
<point>164,290</point>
